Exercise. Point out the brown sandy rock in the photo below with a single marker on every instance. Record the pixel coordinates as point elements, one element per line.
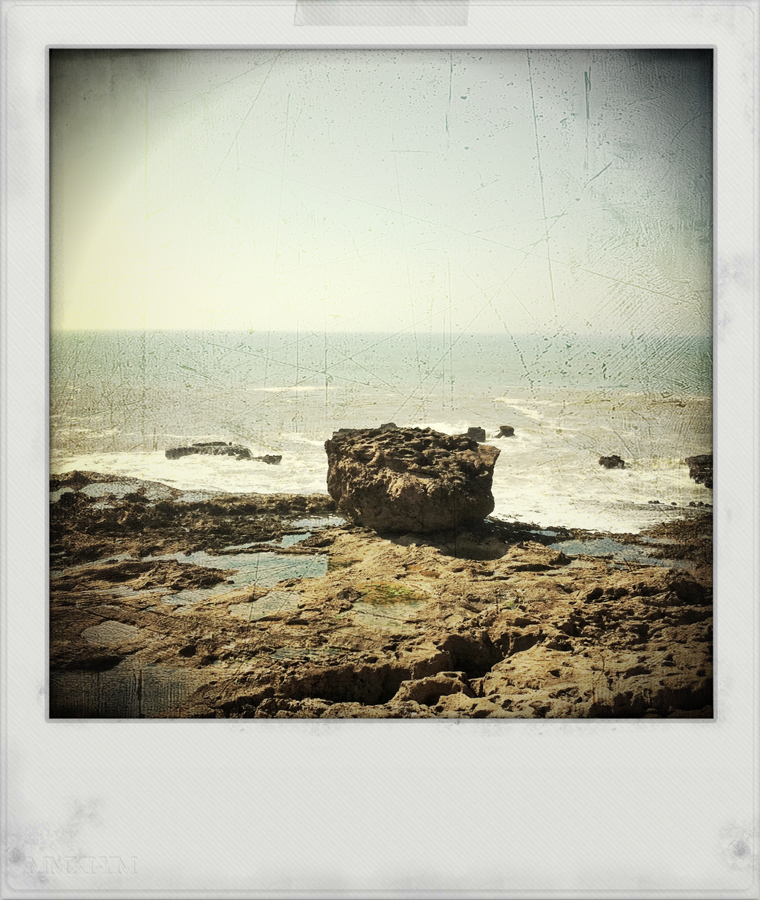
<point>410,479</point>
<point>428,691</point>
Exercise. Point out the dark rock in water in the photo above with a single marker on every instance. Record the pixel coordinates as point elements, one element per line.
<point>210,448</point>
<point>220,448</point>
<point>611,462</point>
<point>388,426</point>
<point>701,469</point>
<point>476,434</point>
<point>505,431</point>
<point>272,459</point>
<point>410,479</point>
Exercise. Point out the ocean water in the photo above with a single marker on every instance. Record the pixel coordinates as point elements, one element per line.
<point>119,400</point>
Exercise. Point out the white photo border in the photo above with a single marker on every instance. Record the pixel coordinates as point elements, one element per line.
<point>257,808</point>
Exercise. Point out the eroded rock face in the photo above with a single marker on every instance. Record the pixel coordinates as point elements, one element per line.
<point>410,479</point>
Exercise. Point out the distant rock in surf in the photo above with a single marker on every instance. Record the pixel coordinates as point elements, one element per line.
<point>410,479</point>
<point>476,433</point>
<point>270,458</point>
<point>611,462</point>
<point>220,448</point>
<point>701,469</point>
<point>505,431</point>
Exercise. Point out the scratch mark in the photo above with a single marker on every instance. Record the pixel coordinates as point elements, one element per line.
<point>587,84</point>
<point>686,124</point>
<point>277,231</point>
<point>220,85</point>
<point>410,293</point>
<point>541,182</point>
<point>250,110</point>
<point>598,173</point>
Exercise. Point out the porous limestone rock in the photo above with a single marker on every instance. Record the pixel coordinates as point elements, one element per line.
<point>428,691</point>
<point>410,479</point>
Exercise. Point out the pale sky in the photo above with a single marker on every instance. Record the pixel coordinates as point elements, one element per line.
<point>382,190</point>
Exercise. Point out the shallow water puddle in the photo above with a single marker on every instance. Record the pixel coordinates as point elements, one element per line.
<point>120,489</point>
<point>264,569</point>
<point>274,605</point>
<point>55,496</point>
<point>67,570</point>
<point>619,552</point>
<point>312,522</point>
<point>127,691</point>
<point>288,540</point>
<point>110,633</point>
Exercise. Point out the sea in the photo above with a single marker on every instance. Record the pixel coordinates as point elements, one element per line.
<point>120,399</point>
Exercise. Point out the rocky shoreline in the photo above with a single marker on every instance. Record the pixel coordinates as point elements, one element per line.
<point>170,603</point>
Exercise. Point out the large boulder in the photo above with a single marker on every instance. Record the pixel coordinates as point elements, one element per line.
<point>410,479</point>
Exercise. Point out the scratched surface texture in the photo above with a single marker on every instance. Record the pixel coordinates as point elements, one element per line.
<point>263,246</point>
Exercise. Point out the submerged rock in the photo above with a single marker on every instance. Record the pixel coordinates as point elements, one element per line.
<point>611,462</point>
<point>701,469</point>
<point>410,479</point>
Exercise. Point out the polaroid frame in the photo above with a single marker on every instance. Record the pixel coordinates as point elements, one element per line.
<point>310,808</point>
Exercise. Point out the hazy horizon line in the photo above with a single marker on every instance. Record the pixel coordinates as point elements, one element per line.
<point>408,332</point>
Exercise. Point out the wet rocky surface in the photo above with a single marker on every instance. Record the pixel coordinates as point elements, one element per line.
<point>165,603</point>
